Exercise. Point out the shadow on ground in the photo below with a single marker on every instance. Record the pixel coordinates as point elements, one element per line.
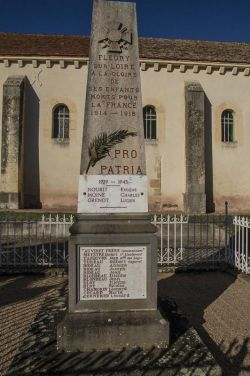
<point>194,293</point>
<point>187,355</point>
<point>19,289</point>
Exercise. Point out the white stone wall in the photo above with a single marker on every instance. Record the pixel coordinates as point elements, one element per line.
<point>64,81</point>
<point>59,163</point>
<point>231,176</point>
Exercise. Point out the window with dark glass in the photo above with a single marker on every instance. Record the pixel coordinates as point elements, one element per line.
<point>227,126</point>
<point>150,122</point>
<point>61,122</point>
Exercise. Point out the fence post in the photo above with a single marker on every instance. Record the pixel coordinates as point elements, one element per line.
<point>235,239</point>
<point>247,235</point>
<point>226,231</point>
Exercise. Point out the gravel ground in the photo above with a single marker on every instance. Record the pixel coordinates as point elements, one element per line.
<point>21,299</point>
<point>217,305</point>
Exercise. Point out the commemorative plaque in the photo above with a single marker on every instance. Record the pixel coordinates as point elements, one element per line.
<point>116,193</point>
<point>113,247</point>
<point>109,272</point>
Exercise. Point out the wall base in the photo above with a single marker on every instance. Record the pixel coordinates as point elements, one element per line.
<point>195,203</point>
<point>9,200</point>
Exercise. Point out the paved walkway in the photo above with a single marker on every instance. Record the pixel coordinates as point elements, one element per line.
<point>216,304</point>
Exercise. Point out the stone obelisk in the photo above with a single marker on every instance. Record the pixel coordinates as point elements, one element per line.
<point>113,247</point>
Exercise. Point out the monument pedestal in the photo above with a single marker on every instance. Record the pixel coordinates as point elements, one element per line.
<point>102,331</point>
<point>112,285</point>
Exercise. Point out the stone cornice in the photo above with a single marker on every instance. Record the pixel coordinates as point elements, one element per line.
<point>195,67</point>
<point>36,61</point>
<point>155,65</point>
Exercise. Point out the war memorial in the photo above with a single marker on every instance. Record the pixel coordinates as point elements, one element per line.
<point>113,247</point>
<point>108,315</point>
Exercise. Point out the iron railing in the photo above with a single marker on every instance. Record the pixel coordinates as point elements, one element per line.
<point>193,240</point>
<point>241,244</point>
<point>41,242</point>
<point>189,241</point>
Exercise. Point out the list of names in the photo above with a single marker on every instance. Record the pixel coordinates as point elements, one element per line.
<point>110,273</point>
<point>112,194</point>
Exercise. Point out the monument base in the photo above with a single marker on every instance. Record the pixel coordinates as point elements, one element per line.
<point>112,330</point>
<point>112,285</point>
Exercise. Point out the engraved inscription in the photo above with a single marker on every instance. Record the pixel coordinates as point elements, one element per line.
<point>115,99</point>
<point>105,193</point>
<point>109,273</point>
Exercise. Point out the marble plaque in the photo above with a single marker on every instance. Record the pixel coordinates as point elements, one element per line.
<point>112,194</point>
<point>108,273</point>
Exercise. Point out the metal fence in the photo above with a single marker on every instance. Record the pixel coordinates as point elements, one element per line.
<point>193,240</point>
<point>42,242</point>
<point>241,244</point>
<point>183,241</point>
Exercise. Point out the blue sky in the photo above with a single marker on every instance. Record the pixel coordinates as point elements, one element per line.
<point>184,19</point>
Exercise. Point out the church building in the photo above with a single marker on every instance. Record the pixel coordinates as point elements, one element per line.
<point>196,111</point>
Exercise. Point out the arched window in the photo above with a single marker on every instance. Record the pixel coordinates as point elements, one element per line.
<point>60,122</point>
<point>149,119</point>
<point>227,126</point>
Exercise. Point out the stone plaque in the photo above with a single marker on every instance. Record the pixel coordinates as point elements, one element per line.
<point>113,136</point>
<point>116,193</point>
<point>108,273</point>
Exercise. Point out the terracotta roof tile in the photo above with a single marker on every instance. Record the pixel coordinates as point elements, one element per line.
<point>13,44</point>
<point>43,45</point>
<point>192,50</point>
